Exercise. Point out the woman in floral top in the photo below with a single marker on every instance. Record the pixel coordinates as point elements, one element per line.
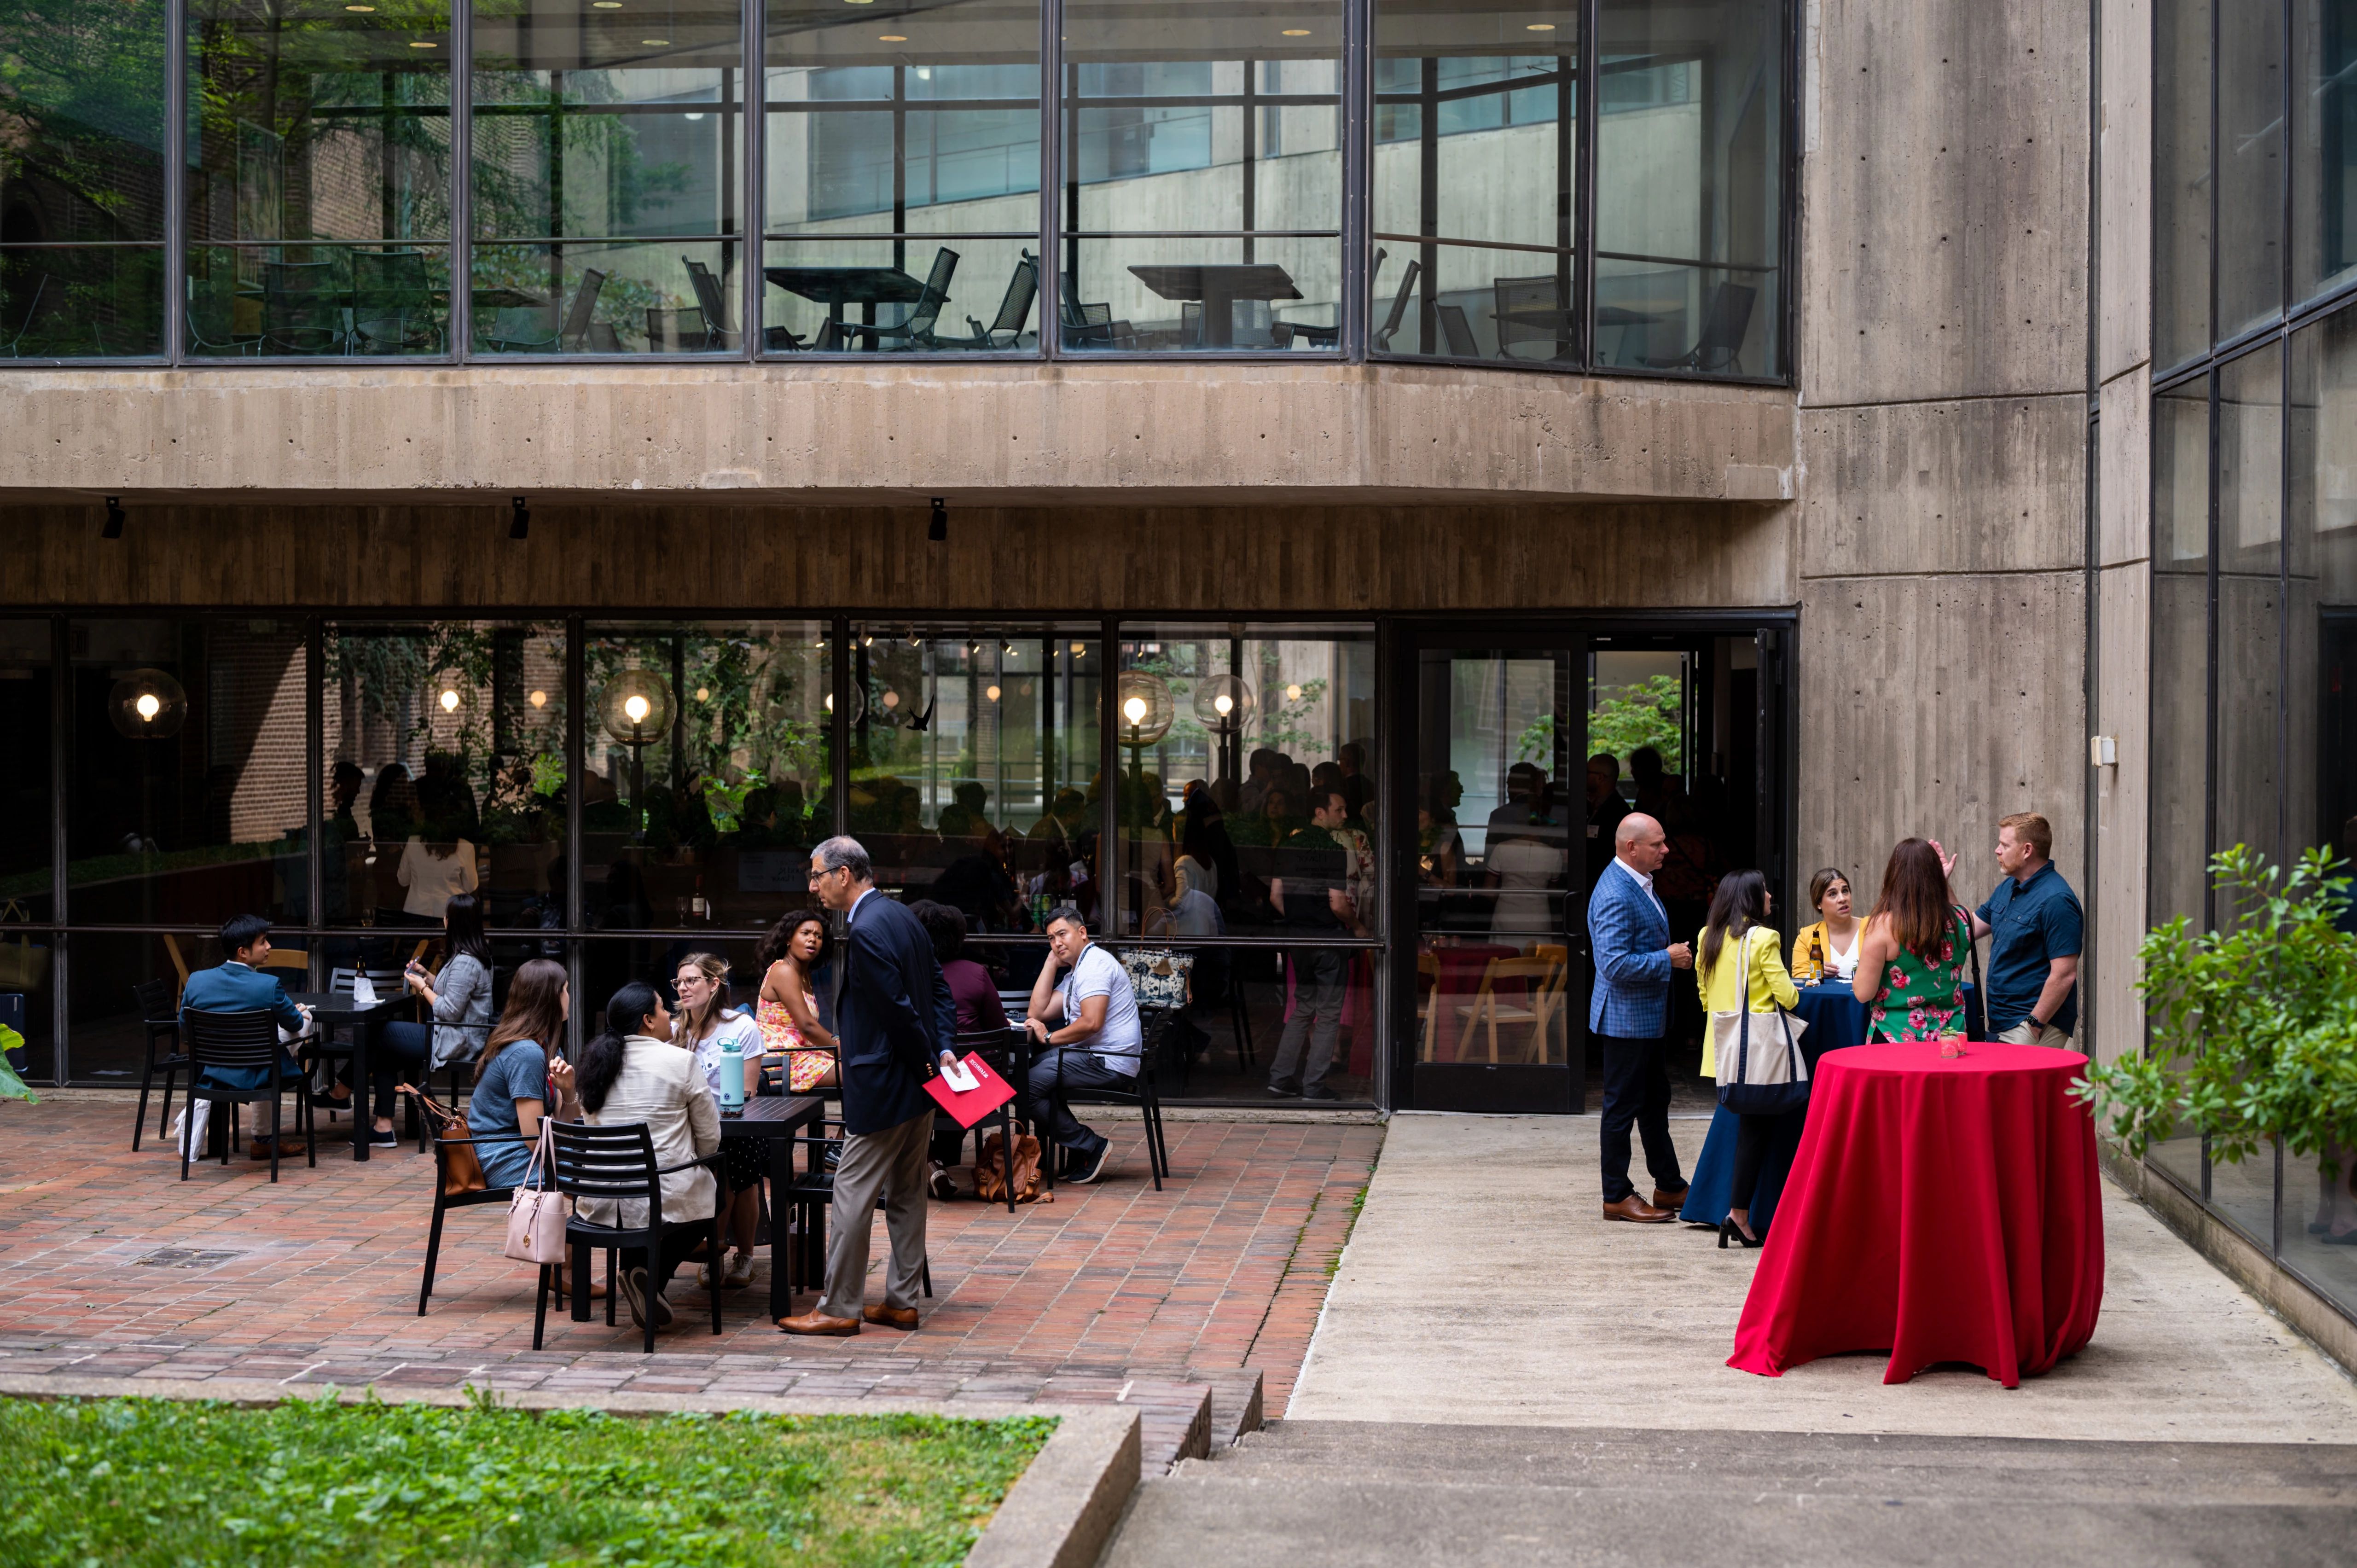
<point>1911,955</point>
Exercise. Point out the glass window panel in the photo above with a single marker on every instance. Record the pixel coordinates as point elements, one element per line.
<point>903,173</point>
<point>81,179</point>
<point>446,772</point>
<point>106,1041</point>
<point>707,773</point>
<point>2245,1194</point>
<point>1198,120</point>
<point>2250,601</point>
<point>25,844</point>
<point>976,775</point>
<point>318,204</point>
<point>607,178</point>
<point>1689,186</point>
<point>1476,118</point>
<point>2317,1210</point>
<point>2324,154</point>
<point>2250,168</point>
<point>2180,683</point>
<point>2180,180</point>
<point>187,804</point>
<point>1222,797</point>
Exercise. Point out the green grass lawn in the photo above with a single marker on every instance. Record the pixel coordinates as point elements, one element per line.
<point>114,1483</point>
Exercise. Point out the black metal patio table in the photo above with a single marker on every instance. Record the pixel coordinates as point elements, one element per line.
<point>336,1009</point>
<point>1219,285</point>
<point>835,288</point>
<point>778,1120</point>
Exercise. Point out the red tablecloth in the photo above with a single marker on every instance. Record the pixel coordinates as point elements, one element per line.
<point>1944,1210</point>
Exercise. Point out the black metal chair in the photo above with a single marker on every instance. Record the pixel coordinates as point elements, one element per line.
<point>615,1163</point>
<point>916,329</point>
<point>393,311</point>
<point>1457,332</point>
<point>1152,1022</point>
<point>157,1017</point>
<point>1725,319</point>
<point>444,1200</point>
<point>303,308</point>
<point>1003,1049</point>
<point>712,299</point>
<point>1542,293</point>
<point>244,1040</point>
<point>1006,329</point>
<point>804,1201</point>
<point>1381,342</point>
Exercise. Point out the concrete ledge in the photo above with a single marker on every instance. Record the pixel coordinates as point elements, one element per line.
<point>1058,1513</point>
<point>2280,1291</point>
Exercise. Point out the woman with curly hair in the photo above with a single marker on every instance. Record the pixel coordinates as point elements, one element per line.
<point>1911,955</point>
<point>789,956</point>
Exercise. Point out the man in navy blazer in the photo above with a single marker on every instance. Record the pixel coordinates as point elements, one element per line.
<point>894,1020</point>
<point>1628,1013</point>
<point>240,986</point>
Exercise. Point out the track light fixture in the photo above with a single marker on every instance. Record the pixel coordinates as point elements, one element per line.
<point>938,531</point>
<point>113,529</point>
<point>519,518</point>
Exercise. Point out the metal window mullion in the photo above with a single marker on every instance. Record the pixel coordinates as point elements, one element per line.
<point>2210,634</point>
<point>838,765</point>
<point>753,116</point>
<point>315,765</point>
<point>462,235</point>
<point>176,182</point>
<point>1356,130</point>
<point>60,748</point>
<point>1051,179</point>
<point>576,728</point>
<point>1583,201</point>
<point>1109,767</point>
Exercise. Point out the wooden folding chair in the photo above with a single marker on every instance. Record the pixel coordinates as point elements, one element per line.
<point>1532,979</point>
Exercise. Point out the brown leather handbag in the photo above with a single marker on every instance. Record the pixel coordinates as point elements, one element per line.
<point>990,1172</point>
<point>461,1171</point>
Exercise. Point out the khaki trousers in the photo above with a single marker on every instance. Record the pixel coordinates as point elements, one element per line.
<point>892,1165</point>
<point>2019,1036</point>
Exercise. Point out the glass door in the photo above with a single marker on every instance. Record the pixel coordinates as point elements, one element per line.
<point>1492,986</point>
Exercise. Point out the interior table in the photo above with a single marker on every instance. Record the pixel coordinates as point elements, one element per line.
<point>1219,284</point>
<point>778,1120</point>
<point>337,1010</point>
<point>835,288</point>
<point>1943,1209</point>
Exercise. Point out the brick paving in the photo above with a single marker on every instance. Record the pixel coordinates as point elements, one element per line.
<point>111,1266</point>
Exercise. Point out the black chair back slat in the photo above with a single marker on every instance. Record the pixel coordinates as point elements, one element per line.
<point>232,1039</point>
<point>603,1161</point>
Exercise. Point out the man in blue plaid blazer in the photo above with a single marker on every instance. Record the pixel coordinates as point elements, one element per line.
<point>1628,1013</point>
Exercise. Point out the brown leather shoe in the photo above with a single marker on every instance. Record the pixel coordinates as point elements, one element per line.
<point>1637,1210</point>
<point>890,1316</point>
<point>1669,1201</point>
<point>817,1322</point>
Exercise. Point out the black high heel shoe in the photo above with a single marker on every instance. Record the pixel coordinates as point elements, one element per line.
<point>1729,1229</point>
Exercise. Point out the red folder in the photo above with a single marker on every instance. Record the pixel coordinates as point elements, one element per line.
<point>990,1091</point>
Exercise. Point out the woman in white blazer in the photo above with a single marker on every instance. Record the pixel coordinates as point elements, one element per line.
<point>630,1073</point>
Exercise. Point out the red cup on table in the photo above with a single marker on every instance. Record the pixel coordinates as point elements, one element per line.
<point>1950,1046</point>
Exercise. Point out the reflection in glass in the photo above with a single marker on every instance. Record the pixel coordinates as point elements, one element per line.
<point>1202,201</point>
<point>903,172</point>
<point>445,773</point>
<point>1476,116</point>
<point>81,179</point>
<point>607,178</point>
<point>106,1042</point>
<point>2250,602</point>
<point>25,847</point>
<point>2180,180</point>
<point>702,799</point>
<point>319,203</point>
<point>2250,168</point>
<point>974,772</point>
<point>1689,160</point>
<point>2180,656</point>
<point>188,825</point>
<point>2324,157</point>
<point>2320,1224</point>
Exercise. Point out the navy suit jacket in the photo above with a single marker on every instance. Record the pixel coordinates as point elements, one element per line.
<point>896,1016</point>
<point>235,988</point>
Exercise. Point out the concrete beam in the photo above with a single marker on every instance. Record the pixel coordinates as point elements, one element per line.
<point>843,434</point>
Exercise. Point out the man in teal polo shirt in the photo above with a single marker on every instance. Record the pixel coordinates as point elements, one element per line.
<point>2035,929</point>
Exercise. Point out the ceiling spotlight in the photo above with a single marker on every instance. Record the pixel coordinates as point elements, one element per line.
<point>1076,650</point>
<point>991,692</point>
<point>449,701</point>
<point>656,43</point>
<point>538,699</point>
<point>1539,27</point>
<point>1296,32</point>
<point>360,7</point>
<point>891,37</point>
<point>519,517</point>
<point>419,44</point>
<point>867,639</point>
<point>937,530</point>
<point>113,529</point>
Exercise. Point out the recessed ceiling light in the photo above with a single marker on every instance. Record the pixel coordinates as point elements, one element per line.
<point>604,5</point>
<point>360,7</point>
<point>655,43</point>
<point>1540,27</point>
<point>1296,32</point>
<point>891,37</point>
<point>417,45</point>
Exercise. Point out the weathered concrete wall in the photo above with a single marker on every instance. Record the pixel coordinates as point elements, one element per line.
<point>814,561</point>
<point>851,434</point>
<point>1943,429</point>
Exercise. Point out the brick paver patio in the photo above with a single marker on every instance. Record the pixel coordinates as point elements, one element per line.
<point>110,1265</point>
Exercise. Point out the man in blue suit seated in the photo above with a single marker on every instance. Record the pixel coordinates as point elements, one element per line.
<point>1628,932</point>
<point>239,985</point>
<point>894,1020</point>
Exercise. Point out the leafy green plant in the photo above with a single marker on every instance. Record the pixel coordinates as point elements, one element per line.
<point>1647,713</point>
<point>2254,1025</point>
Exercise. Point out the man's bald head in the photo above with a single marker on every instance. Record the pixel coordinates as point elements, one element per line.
<point>1640,844</point>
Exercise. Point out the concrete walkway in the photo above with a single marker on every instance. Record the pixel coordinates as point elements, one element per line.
<point>1482,1287</point>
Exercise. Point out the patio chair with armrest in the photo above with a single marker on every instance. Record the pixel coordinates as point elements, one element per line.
<point>1457,332</point>
<point>303,307</point>
<point>680,331</point>
<point>580,318</point>
<point>713,301</point>
<point>393,303</point>
<point>523,329</point>
<point>1725,322</point>
<point>244,1040</point>
<point>613,1163</point>
<point>914,330</point>
<point>1155,1011</point>
<point>1090,326</point>
<point>1534,293</point>
<point>444,1199</point>
<point>1006,329</point>
<point>1381,342</point>
<point>161,1020</point>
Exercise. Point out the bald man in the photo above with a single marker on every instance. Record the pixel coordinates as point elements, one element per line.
<point>1629,1012</point>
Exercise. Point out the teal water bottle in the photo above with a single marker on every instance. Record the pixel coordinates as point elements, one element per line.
<point>732,1076</point>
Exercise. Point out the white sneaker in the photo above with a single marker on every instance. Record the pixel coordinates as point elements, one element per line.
<point>739,1272</point>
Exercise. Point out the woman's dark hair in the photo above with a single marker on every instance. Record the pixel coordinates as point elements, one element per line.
<point>601,1058</point>
<point>945,925</point>
<point>463,928</point>
<point>780,939</point>
<point>535,1012</point>
<point>1915,898</point>
<point>1821,883</point>
<point>1740,903</point>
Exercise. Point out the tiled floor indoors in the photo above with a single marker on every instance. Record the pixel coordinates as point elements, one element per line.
<point>109,1264</point>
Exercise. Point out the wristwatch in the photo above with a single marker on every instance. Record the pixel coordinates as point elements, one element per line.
<point>2036,1023</point>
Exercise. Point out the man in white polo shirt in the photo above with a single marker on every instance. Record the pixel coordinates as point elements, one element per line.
<point>1098,1045</point>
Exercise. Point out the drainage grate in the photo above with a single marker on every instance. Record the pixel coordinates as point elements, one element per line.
<point>183,1258</point>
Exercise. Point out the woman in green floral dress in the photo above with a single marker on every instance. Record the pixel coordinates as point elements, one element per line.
<point>1911,954</point>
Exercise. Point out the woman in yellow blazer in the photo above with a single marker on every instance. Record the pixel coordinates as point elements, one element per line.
<point>1828,948</point>
<point>1737,943</point>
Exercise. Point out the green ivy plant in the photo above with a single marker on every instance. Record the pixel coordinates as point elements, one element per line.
<point>2254,1023</point>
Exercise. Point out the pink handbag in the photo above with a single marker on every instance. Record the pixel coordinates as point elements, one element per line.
<point>536,1216</point>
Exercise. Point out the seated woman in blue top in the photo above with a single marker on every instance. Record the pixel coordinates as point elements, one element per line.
<point>512,1081</point>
